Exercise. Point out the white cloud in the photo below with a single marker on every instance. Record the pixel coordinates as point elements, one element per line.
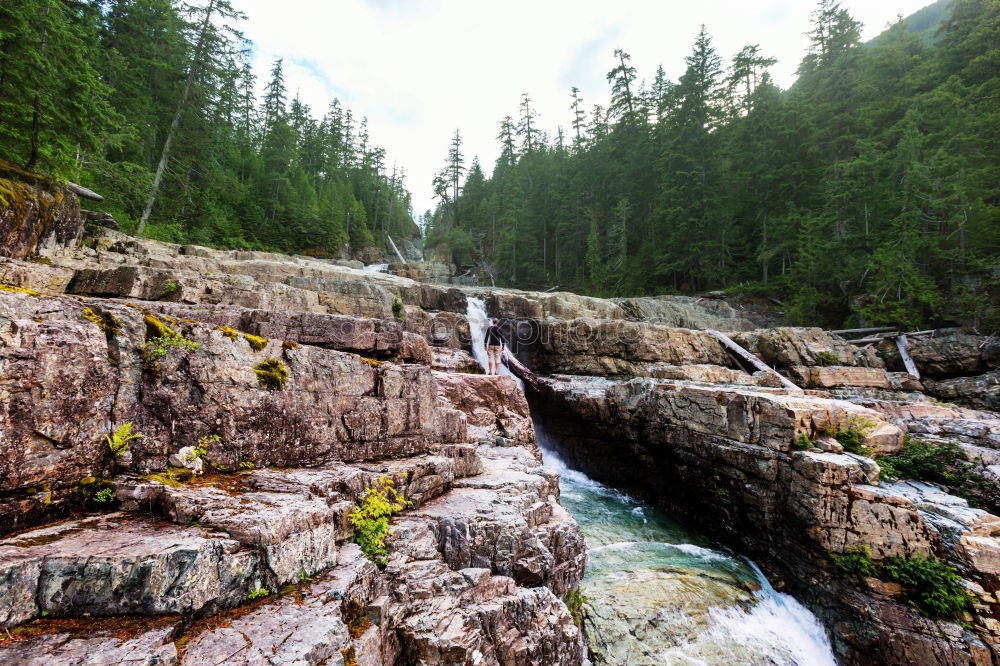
<point>418,69</point>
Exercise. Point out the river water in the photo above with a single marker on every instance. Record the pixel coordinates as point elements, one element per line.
<point>659,593</point>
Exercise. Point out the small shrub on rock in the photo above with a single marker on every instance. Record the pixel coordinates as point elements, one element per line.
<point>271,374</point>
<point>857,561</point>
<point>576,603</point>
<point>170,288</point>
<point>370,518</point>
<point>803,442</point>
<point>932,587</point>
<point>230,333</point>
<point>825,359</point>
<point>398,311</point>
<point>943,463</point>
<point>259,593</point>
<point>853,437</point>
<point>160,339</point>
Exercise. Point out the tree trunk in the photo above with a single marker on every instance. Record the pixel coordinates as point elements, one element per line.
<point>175,123</point>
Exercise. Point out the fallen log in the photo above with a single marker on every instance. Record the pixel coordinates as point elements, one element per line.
<point>750,358</point>
<point>521,371</point>
<point>82,191</point>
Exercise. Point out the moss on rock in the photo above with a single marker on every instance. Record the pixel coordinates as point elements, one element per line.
<point>271,374</point>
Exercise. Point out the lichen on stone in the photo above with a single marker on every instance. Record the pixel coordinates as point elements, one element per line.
<point>271,374</point>
<point>19,290</point>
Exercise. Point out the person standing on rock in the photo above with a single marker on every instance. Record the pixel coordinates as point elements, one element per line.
<point>494,344</point>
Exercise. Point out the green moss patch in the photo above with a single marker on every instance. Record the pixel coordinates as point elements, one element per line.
<point>271,374</point>
<point>107,323</point>
<point>230,333</point>
<point>256,343</point>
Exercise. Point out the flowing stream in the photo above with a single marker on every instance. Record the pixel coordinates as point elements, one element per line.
<point>659,593</point>
<point>377,268</point>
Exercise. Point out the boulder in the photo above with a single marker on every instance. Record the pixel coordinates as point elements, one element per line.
<point>982,392</point>
<point>828,377</point>
<point>492,404</point>
<point>614,348</point>
<point>945,354</point>
<point>786,347</point>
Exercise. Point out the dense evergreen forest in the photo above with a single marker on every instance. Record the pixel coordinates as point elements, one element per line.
<point>867,192</point>
<point>152,103</point>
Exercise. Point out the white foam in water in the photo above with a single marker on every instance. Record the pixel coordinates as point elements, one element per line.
<point>778,625</point>
<point>475,312</point>
<point>777,628</point>
<point>377,268</point>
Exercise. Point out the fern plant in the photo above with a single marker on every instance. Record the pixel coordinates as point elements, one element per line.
<point>119,438</point>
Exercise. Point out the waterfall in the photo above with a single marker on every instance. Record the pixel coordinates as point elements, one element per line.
<point>377,268</point>
<point>475,313</point>
<point>659,592</point>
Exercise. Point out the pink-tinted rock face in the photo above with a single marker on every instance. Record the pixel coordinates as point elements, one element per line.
<point>494,404</point>
<point>67,384</point>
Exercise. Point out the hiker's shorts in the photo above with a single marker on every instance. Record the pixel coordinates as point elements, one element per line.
<point>493,354</point>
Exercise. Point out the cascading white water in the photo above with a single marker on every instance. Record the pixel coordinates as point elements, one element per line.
<point>660,593</point>
<point>475,313</point>
<point>377,268</point>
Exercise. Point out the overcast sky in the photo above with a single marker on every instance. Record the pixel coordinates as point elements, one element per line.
<point>419,69</point>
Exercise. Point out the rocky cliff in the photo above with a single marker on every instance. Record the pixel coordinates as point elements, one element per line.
<point>298,383</point>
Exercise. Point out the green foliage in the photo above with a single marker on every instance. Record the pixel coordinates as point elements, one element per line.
<point>95,493</point>
<point>170,288</point>
<point>398,311</point>
<point>932,587</point>
<point>271,374</point>
<point>854,436</point>
<point>576,603</point>
<point>160,339</point>
<point>929,585</point>
<point>119,438</point>
<point>370,518</point>
<point>856,561</point>
<point>246,465</point>
<point>803,442</point>
<point>827,359</point>
<point>944,463</point>
<point>259,593</point>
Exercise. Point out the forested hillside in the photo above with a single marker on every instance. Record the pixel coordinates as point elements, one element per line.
<point>152,103</point>
<point>868,192</point>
